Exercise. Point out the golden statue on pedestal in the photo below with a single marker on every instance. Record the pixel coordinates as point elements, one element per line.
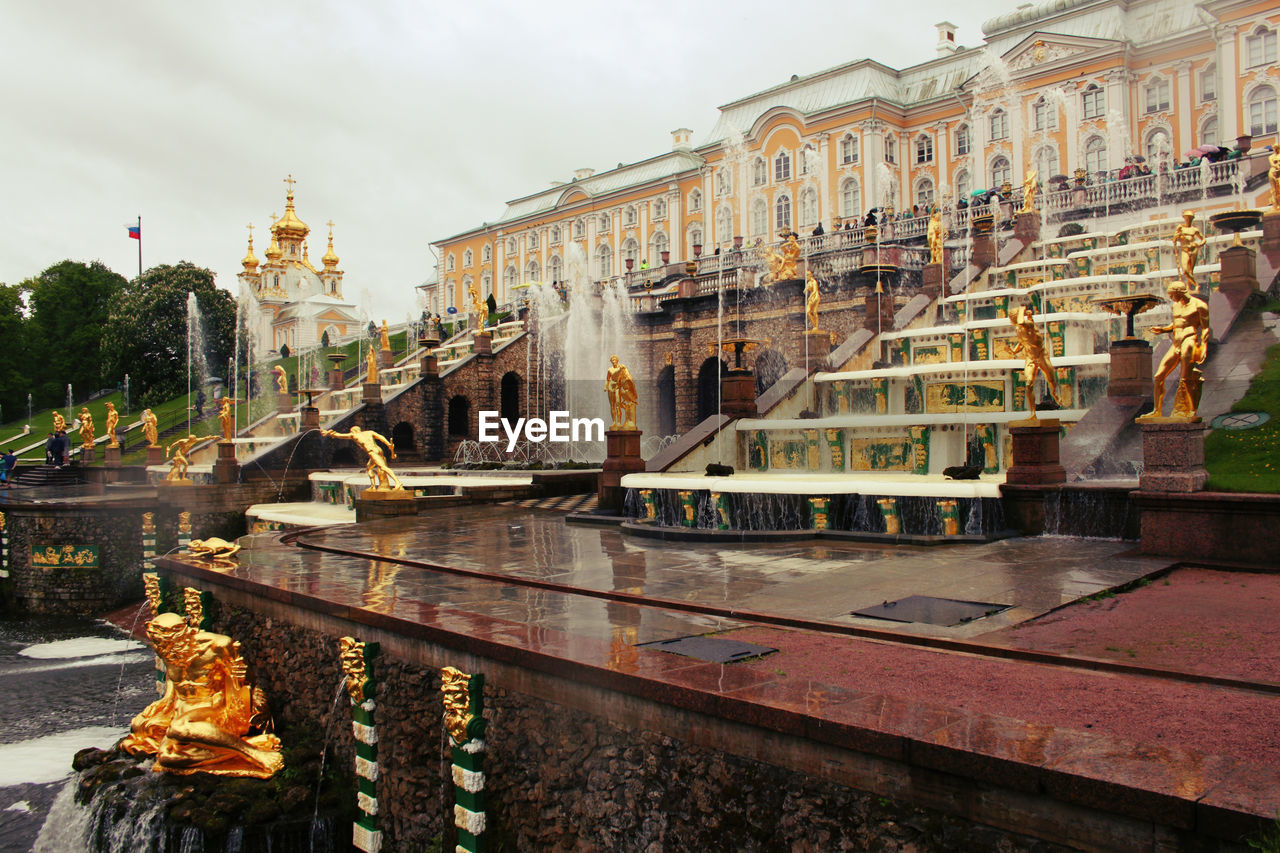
<point>621,388</point>
<point>1030,184</point>
<point>1273,175</point>
<point>478,307</point>
<point>1189,332</point>
<point>371,367</point>
<point>782,264</point>
<point>385,337</point>
<point>59,422</point>
<point>812,299</point>
<point>1031,344</point>
<point>113,418</point>
<point>86,428</point>
<point>935,237</point>
<point>179,450</point>
<point>227,420</point>
<point>150,428</point>
<point>1188,241</point>
<point>282,381</point>
<point>209,720</point>
<point>381,477</point>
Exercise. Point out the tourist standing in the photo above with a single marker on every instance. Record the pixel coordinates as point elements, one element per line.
<point>8,461</point>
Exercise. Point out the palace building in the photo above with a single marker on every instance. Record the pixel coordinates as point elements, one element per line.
<point>290,301</point>
<point>1073,89</point>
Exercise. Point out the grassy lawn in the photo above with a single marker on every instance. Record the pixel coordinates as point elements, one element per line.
<point>1249,460</point>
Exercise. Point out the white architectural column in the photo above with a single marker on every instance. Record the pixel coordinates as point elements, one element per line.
<point>872,157</point>
<point>942,160</point>
<point>675,223</point>
<point>1071,132</point>
<point>1117,101</point>
<point>1183,103</point>
<point>1228,83</point>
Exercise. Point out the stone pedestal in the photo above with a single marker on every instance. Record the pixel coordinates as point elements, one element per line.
<point>373,504</point>
<point>385,359</point>
<point>87,454</point>
<point>309,418</point>
<point>429,365</point>
<point>1172,456</point>
<point>1239,276</point>
<point>879,316</point>
<point>1035,453</point>
<point>111,456</point>
<point>1130,368</point>
<point>687,288</point>
<point>1271,235</point>
<point>933,280</point>
<point>371,392</point>
<point>623,458</point>
<point>225,468</point>
<point>738,393</point>
<point>335,379</point>
<point>155,455</point>
<point>483,343</point>
<point>1026,226</point>
<point>284,402</point>
<point>815,344</point>
<point>984,250</point>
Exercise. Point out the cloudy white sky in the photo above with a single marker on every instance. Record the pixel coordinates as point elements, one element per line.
<point>403,122</point>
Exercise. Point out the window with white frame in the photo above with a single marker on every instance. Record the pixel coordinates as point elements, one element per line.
<point>1260,47</point>
<point>964,186</point>
<point>1095,155</point>
<point>1157,143</point>
<point>1046,162</point>
<point>1001,173</point>
<point>468,257</point>
<point>1093,101</point>
<point>630,250</point>
<point>659,208</point>
<point>848,149</point>
<point>450,287</point>
<point>695,238</point>
<point>509,278</point>
<point>1043,115</point>
<point>533,240</point>
<point>808,159</point>
<point>1209,83</point>
<point>659,245</point>
<point>604,260</point>
<point>1262,110</point>
<point>579,229</point>
<point>606,224</point>
<point>532,271</point>
<point>486,285</point>
<point>850,199</point>
<point>759,172</point>
<point>1209,131</point>
<point>486,253</point>
<point>511,245</point>
<point>809,207</point>
<point>924,148</point>
<point>924,193</point>
<point>782,166</point>
<point>782,212</point>
<point>724,182</point>
<point>629,216</point>
<point>450,263</point>
<point>555,268</point>
<point>890,148</point>
<point>467,282</point>
<point>759,218</point>
<point>964,140</point>
<point>724,224</point>
<point>695,201</point>
<point>999,125</point>
<point>1156,96</point>
<point>555,235</point>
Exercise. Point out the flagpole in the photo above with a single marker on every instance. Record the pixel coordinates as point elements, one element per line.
<point>139,245</point>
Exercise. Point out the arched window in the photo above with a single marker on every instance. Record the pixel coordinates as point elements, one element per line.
<point>848,149</point>
<point>850,199</point>
<point>1000,172</point>
<point>467,282</point>
<point>511,245</point>
<point>695,238</point>
<point>450,263</point>
<point>964,185</point>
<point>809,207</point>
<point>964,140</point>
<point>759,217</point>
<point>808,159</point>
<point>924,148</point>
<point>659,208</point>
<point>604,260</point>
<point>1157,143</point>
<point>555,234</point>
<point>659,245</point>
<point>467,257</point>
<point>695,201</point>
<point>724,182</point>
<point>509,278</point>
<point>759,172</point>
<point>606,224</point>
<point>890,148</point>
<point>924,192</point>
<point>532,272</point>
<point>782,166</point>
<point>1208,78</point>
<point>486,254</point>
<point>1209,131</point>
<point>486,285</point>
<point>1156,96</point>
<point>724,224</point>
<point>999,123</point>
<point>1093,101</point>
<point>1260,47</point>
<point>555,268</point>
<point>782,212</point>
<point>533,241</point>
<point>1043,115</point>
<point>629,216</point>
<point>1095,155</point>
<point>1262,107</point>
<point>630,250</point>
<point>1046,162</point>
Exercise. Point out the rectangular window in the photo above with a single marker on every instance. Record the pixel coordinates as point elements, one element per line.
<point>999,125</point>
<point>1209,84</point>
<point>1261,48</point>
<point>1157,97</point>
<point>1095,102</point>
<point>849,150</point>
<point>962,139</point>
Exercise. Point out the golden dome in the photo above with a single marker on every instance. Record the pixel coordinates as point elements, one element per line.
<point>330,258</point>
<point>290,226</point>
<point>273,251</point>
<point>250,262</point>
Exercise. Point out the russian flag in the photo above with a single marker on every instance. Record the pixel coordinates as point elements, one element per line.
<point>135,232</point>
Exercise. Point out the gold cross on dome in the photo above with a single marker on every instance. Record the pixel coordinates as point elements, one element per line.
<point>330,224</point>
<point>290,181</point>
<point>250,227</point>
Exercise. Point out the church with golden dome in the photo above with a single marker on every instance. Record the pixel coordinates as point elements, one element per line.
<point>291,302</point>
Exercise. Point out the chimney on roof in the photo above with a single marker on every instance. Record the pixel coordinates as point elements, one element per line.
<point>682,139</point>
<point>582,174</point>
<point>946,38</point>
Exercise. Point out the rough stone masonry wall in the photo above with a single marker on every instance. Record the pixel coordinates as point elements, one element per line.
<point>558,779</point>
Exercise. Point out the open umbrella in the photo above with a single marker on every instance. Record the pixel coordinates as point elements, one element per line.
<point>1138,158</point>
<point>1209,149</point>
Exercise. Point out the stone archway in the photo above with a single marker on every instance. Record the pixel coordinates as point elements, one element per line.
<point>459,419</point>
<point>509,396</point>
<point>402,438</point>
<point>666,401</point>
<point>709,386</point>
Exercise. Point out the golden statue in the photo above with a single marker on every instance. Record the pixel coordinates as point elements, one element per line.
<point>782,264</point>
<point>385,336</point>
<point>1031,344</point>
<point>179,450</point>
<point>351,656</point>
<point>935,238</point>
<point>282,381</point>
<point>150,428</point>
<point>59,422</point>
<point>621,389</point>
<point>227,419</point>
<point>1030,184</point>
<point>1188,241</point>
<point>1273,175</point>
<point>477,305</point>
<point>1189,332</point>
<point>812,298</point>
<point>381,477</point>
<point>460,705</point>
<point>371,367</point>
<point>209,720</point>
<point>113,418</point>
<point>86,428</point>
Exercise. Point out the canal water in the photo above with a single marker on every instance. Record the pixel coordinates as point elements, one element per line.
<point>65,683</point>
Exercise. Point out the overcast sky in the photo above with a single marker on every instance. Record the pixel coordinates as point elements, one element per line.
<point>403,122</point>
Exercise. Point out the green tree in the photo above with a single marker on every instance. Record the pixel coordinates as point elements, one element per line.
<point>146,332</point>
<point>68,304</point>
<point>15,358</point>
